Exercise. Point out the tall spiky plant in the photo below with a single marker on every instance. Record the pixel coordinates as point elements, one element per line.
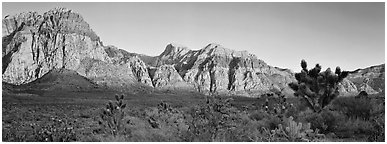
<point>317,88</point>
<point>112,115</point>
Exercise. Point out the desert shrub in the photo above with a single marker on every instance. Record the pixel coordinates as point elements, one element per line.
<point>317,88</point>
<point>378,122</point>
<point>54,130</point>
<point>111,117</point>
<point>294,110</point>
<point>167,122</point>
<point>266,120</point>
<point>246,130</point>
<point>212,121</point>
<point>354,127</point>
<point>326,121</point>
<point>378,134</point>
<point>13,134</point>
<point>353,107</point>
<point>270,116</point>
<point>291,131</point>
<point>258,115</point>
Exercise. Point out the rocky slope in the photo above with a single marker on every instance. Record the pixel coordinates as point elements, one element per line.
<point>61,41</point>
<point>370,79</point>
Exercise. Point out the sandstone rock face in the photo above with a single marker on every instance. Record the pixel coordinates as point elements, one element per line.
<point>347,88</point>
<point>172,54</point>
<point>166,77</point>
<point>369,79</point>
<point>215,69</point>
<point>134,66</point>
<point>33,45</point>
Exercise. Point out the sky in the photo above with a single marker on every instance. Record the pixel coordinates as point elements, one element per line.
<point>349,35</point>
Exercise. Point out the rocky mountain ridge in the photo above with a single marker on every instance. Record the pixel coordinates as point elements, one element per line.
<point>215,68</point>
<point>370,80</point>
<point>35,45</point>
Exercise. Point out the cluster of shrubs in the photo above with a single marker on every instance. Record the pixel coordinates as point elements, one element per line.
<point>54,130</point>
<point>217,120</point>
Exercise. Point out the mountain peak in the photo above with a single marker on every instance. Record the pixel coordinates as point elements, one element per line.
<point>67,21</point>
<point>176,45</point>
<point>213,46</point>
<point>57,20</point>
<point>174,49</point>
<point>22,15</point>
<point>60,9</point>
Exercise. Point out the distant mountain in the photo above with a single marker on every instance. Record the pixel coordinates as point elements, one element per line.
<point>59,49</point>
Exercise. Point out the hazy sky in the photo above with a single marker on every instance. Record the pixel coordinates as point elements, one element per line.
<point>349,35</point>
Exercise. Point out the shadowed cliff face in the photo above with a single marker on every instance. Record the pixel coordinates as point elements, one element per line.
<point>34,45</point>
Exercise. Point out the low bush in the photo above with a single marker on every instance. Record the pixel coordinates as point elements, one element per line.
<point>212,121</point>
<point>167,122</point>
<point>354,127</point>
<point>353,107</point>
<point>326,121</point>
<point>54,130</point>
<point>378,122</point>
<point>247,130</point>
<point>292,131</point>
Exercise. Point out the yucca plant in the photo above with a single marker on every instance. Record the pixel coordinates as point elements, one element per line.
<point>112,116</point>
<point>317,88</point>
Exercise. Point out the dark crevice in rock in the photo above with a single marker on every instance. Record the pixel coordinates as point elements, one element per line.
<point>212,78</point>
<point>7,40</point>
<point>32,48</point>
<point>37,71</point>
<point>231,72</point>
<point>7,58</point>
<point>201,67</point>
<point>64,51</point>
<point>151,73</point>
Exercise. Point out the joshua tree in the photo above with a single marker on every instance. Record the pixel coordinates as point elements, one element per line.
<point>317,88</point>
